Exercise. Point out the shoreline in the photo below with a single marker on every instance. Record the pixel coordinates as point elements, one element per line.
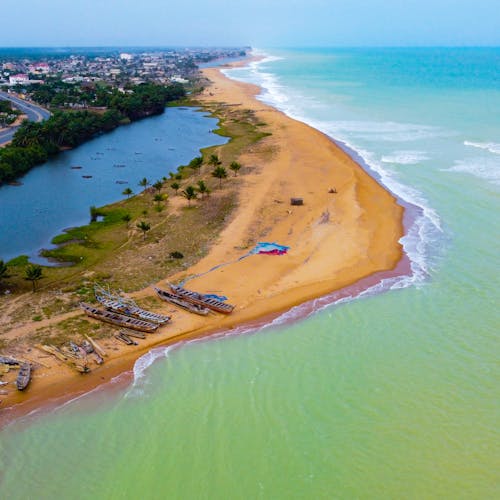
<point>368,224</point>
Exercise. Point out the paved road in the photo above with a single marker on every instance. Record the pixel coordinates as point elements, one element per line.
<point>32,111</point>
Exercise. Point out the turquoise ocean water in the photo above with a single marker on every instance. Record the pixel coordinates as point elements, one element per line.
<point>393,394</point>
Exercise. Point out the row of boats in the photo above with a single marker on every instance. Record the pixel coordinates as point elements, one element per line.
<point>124,312</point>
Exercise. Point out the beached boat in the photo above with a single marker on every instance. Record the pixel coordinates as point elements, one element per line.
<point>179,301</point>
<point>123,337</point>
<point>129,308</point>
<point>137,335</point>
<point>118,319</point>
<point>202,300</point>
<point>9,361</point>
<point>23,377</point>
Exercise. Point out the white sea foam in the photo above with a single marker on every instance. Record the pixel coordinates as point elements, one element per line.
<point>426,227</point>
<point>405,157</point>
<point>492,147</point>
<point>487,168</point>
<point>146,360</point>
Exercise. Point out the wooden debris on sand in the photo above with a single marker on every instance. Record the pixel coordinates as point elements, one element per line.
<point>72,363</point>
<point>98,349</point>
<point>179,301</point>
<point>202,300</point>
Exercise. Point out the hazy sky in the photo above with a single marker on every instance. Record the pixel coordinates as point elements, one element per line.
<point>260,23</point>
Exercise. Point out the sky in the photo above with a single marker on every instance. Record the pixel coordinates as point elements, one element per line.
<point>258,23</point>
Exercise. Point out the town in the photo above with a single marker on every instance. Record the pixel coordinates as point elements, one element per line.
<point>72,72</point>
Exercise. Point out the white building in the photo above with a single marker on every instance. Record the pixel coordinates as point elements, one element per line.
<point>126,57</point>
<point>19,79</point>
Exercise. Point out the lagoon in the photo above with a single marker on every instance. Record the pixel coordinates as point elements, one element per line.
<point>55,196</point>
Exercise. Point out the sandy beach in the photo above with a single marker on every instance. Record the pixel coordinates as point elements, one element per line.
<point>335,239</point>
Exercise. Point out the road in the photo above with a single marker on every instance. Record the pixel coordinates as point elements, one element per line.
<point>32,111</point>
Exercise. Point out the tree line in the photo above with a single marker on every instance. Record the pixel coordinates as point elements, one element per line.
<point>35,142</point>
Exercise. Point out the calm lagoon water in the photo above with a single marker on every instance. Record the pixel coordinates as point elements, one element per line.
<point>54,196</point>
<point>391,395</point>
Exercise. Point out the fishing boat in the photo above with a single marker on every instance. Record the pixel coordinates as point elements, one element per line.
<point>9,361</point>
<point>137,335</point>
<point>124,305</point>
<point>179,301</point>
<point>123,337</point>
<point>202,300</point>
<point>118,319</point>
<point>23,377</point>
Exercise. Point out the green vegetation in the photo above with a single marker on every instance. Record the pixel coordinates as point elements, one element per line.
<point>190,194</point>
<point>235,167</point>
<point>3,269</point>
<point>144,227</point>
<point>219,173</point>
<point>33,273</point>
<point>8,114</point>
<point>33,143</point>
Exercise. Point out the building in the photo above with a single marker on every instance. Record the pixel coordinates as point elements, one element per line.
<point>19,79</point>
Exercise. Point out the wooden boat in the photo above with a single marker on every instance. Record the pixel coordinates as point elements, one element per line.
<point>118,319</point>
<point>179,301</point>
<point>123,337</point>
<point>202,300</point>
<point>9,361</point>
<point>129,308</point>
<point>137,335</point>
<point>23,377</point>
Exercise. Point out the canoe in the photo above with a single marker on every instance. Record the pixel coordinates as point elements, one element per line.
<point>122,337</point>
<point>202,300</point>
<point>9,361</point>
<point>23,377</point>
<point>179,301</point>
<point>118,319</point>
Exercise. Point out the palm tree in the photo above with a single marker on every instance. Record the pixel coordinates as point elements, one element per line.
<point>144,227</point>
<point>3,269</point>
<point>220,173</point>
<point>158,185</point>
<point>190,194</point>
<point>144,183</point>
<point>158,198</point>
<point>128,192</point>
<point>196,163</point>
<point>176,186</point>
<point>94,213</point>
<point>33,273</point>
<point>203,189</point>
<point>127,218</point>
<point>214,160</point>
<point>235,167</point>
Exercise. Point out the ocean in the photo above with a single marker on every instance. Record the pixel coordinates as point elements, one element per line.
<point>391,394</point>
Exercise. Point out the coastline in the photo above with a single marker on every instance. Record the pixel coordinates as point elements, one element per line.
<point>348,250</point>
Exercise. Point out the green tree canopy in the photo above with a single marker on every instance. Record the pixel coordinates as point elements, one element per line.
<point>235,167</point>
<point>144,227</point>
<point>33,273</point>
<point>190,194</point>
<point>220,173</point>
